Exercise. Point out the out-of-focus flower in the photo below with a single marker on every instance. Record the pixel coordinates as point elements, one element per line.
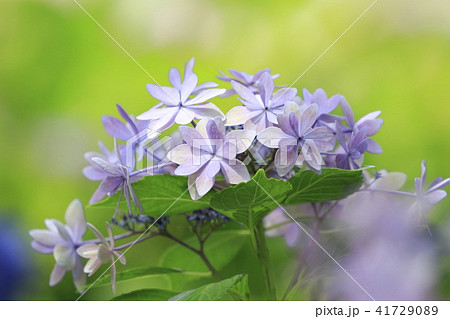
<point>176,105</point>
<point>248,80</point>
<point>296,132</point>
<point>260,109</point>
<point>283,226</point>
<point>325,105</point>
<point>426,197</point>
<point>102,253</point>
<point>209,151</point>
<point>115,175</point>
<point>388,257</point>
<point>63,240</point>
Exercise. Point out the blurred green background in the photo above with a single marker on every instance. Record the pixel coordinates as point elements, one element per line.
<point>59,72</point>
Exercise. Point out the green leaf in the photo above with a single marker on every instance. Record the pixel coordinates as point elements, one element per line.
<point>139,272</point>
<point>161,194</point>
<point>220,249</point>
<point>146,294</point>
<point>331,184</point>
<point>249,202</point>
<point>210,292</point>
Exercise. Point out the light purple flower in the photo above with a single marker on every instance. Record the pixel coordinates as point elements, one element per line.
<point>426,197</point>
<point>209,151</point>
<point>102,253</point>
<point>109,167</point>
<point>259,110</point>
<point>370,122</point>
<point>63,240</point>
<point>325,105</point>
<point>127,132</point>
<point>248,80</point>
<point>176,105</point>
<point>295,132</point>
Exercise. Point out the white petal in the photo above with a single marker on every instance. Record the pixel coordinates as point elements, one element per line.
<point>180,154</point>
<point>205,95</point>
<point>237,115</point>
<point>57,275</point>
<point>235,174</point>
<point>243,139</point>
<point>272,136</point>
<point>88,250</point>
<point>64,256</point>
<point>76,220</point>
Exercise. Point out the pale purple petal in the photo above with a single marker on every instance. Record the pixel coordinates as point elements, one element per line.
<point>203,96</point>
<point>154,113</point>
<point>438,183</point>
<point>94,174</point>
<point>96,197</point>
<point>88,250</point>
<point>76,220</point>
<point>57,275</point>
<point>266,87</point>
<point>165,121</point>
<point>245,93</point>
<point>285,158</point>
<point>97,233</point>
<point>285,124</point>
<point>190,135</point>
<point>78,275</point>
<point>64,256</point>
<point>435,196</point>
<point>238,115</point>
<point>184,116</point>
<point>175,78</point>
<point>204,86</point>
<point>187,87</point>
<point>373,147</point>
<point>213,131</point>
<point>106,166</point>
<point>204,182</point>
<point>180,154</point>
<point>272,136</point>
<point>235,174</point>
<point>189,168</point>
<point>308,118</point>
<point>165,94</point>
<point>41,248</point>
<point>116,128</point>
<point>320,132</point>
<point>282,96</point>
<point>243,139</point>
<point>206,110</point>
<point>111,184</point>
<point>188,68</point>
<point>348,113</point>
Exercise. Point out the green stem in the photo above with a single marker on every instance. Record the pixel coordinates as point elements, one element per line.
<point>262,251</point>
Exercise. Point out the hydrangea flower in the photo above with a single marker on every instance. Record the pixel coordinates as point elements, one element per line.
<point>176,105</point>
<point>296,132</point>
<point>102,253</point>
<point>353,149</point>
<point>370,122</point>
<point>325,105</point>
<point>125,132</point>
<point>248,80</point>
<point>209,151</point>
<point>259,110</point>
<point>426,197</point>
<point>109,168</point>
<point>62,241</point>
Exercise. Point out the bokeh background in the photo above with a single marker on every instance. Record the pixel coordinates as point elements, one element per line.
<point>59,72</point>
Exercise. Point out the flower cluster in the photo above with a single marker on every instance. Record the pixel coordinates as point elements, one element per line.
<point>272,127</point>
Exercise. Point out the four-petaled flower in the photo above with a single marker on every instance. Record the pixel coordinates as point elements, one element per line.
<point>63,240</point>
<point>295,132</point>
<point>260,109</point>
<point>248,80</point>
<point>102,253</point>
<point>207,151</point>
<point>115,175</point>
<point>176,105</point>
